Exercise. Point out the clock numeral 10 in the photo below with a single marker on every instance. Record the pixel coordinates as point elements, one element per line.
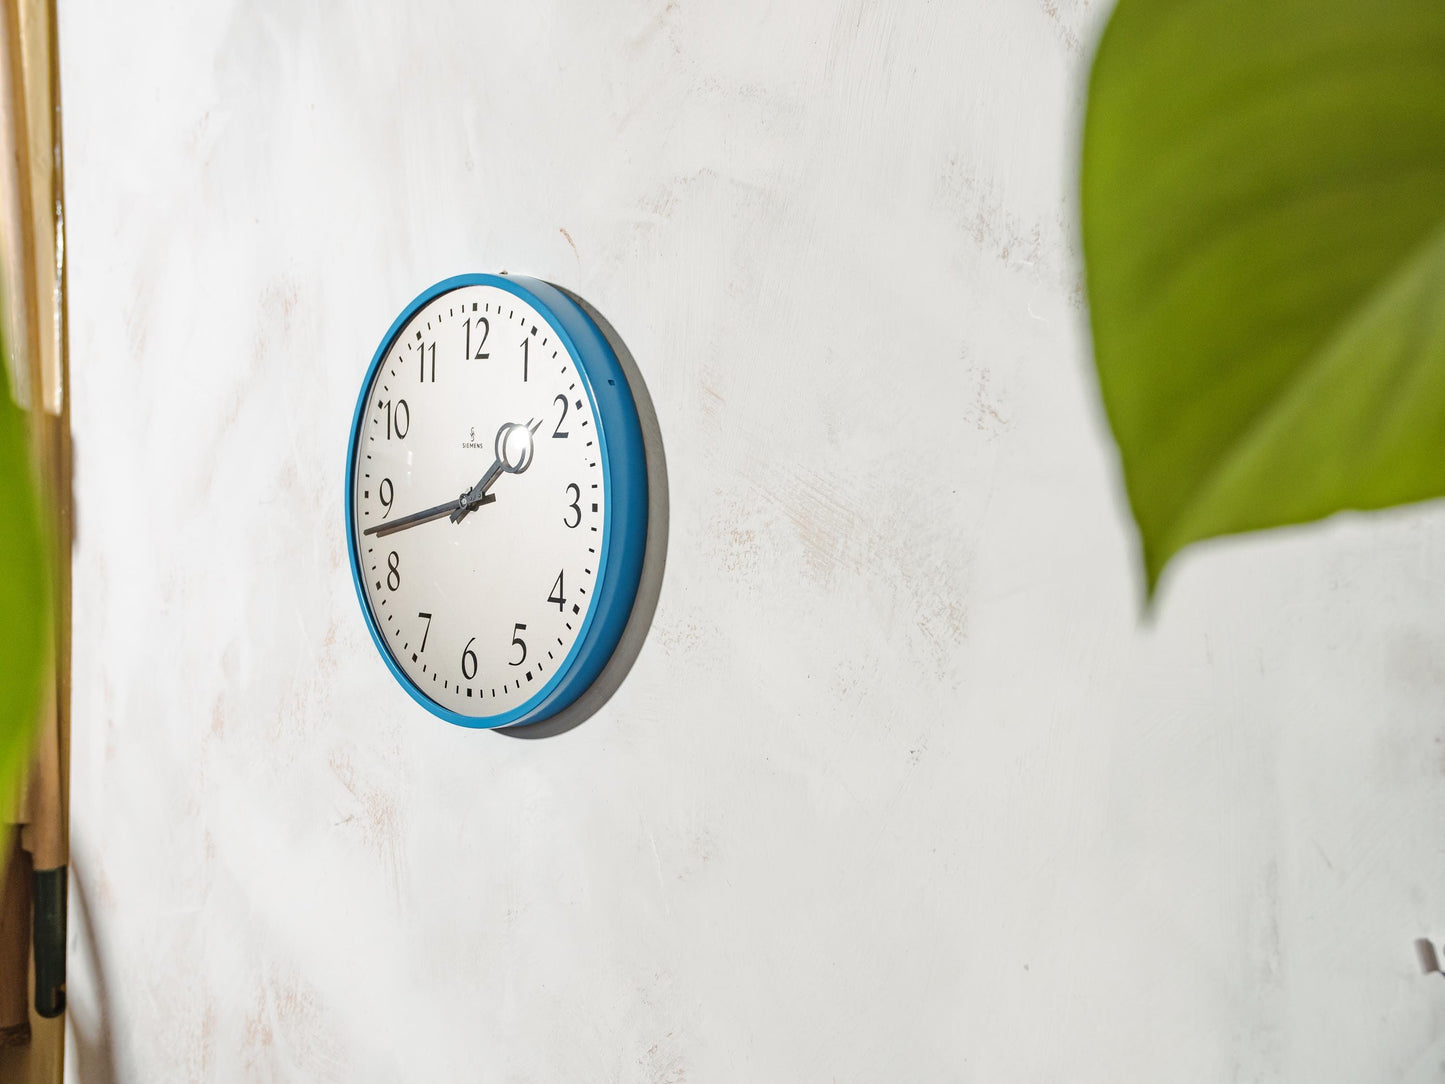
<point>398,420</point>
<point>484,328</point>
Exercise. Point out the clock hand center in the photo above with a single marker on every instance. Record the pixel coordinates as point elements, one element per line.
<point>514,448</point>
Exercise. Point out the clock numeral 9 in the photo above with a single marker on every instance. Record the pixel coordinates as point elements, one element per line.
<point>559,433</point>
<point>385,492</point>
<point>576,491</point>
<point>557,595</point>
<point>484,326</point>
<point>469,660</point>
<point>518,642</point>
<point>393,571</point>
<point>398,420</point>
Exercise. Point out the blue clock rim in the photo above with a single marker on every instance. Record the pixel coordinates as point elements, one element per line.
<point>541,704</point>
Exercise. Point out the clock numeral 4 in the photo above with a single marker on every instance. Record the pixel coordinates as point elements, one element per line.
<point>393,571</point>
<point>557,593</point>
<point>484,328</point>
<point>469,660</point>
<point>576,492</point>
<point>517,641</point>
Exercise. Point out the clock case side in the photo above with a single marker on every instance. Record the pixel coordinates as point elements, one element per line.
<point>624,537</point>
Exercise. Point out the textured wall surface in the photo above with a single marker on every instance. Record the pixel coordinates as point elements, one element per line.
<point>901,787</point>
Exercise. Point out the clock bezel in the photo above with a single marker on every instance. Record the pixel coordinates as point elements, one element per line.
<point>625,499</point>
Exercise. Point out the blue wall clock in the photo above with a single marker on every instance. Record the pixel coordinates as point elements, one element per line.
<point>497,500</point>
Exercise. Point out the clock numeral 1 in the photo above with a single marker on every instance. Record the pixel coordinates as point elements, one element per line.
<point>524,361</point>
<point>469,660</point>
<point>557,593</point>
<point>393,571</point>
<point>484,327</point>
<point>426,631</point>
<point>398,420</point>
<point>421,357</point>
<point>517,641</point>
<point>576,491</point>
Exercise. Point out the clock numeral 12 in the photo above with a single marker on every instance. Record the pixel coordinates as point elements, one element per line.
<point>484,326</point>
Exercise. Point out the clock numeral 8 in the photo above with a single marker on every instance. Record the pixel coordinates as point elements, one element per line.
<point>469,660</point>
<point>393,571</point>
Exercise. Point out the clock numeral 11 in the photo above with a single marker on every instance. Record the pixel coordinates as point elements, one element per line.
<point>421,357</point>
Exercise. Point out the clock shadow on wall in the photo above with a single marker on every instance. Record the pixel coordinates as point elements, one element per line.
<point>654,558</point>
<point>528,377</point>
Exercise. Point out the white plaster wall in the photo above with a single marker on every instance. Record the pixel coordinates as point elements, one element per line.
<point>901,787</point>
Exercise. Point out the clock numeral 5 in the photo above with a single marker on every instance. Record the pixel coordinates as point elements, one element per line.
<point>484,327</point>
<point>398,420</point>
<point>518,642</point>
<point>393,571</point>
<point>469,660</point>
<point>576,491</point>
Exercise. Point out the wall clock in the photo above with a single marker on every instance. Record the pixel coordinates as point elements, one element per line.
<point>497,500</point>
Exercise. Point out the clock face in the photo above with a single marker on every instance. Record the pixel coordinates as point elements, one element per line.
<point>479,502</point>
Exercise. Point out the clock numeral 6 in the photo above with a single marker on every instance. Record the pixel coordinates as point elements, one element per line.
<point>385,492</point>
<point>518,642</point>
<point>398,420</point>
<point>393,571</point>
<point>576,491</point>
<point>469,660</point>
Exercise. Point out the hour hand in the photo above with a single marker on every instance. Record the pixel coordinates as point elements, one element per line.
<point>426,515</point>
<point>514,448</point>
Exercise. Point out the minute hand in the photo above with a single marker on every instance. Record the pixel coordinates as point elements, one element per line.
<point>381,530</point>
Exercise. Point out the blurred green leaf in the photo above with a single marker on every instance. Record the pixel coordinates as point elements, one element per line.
<point>24,598</point>
<point>1263,192</point>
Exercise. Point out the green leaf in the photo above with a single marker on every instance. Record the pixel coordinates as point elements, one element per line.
<point>24,599</point>
<point>1263,193</point>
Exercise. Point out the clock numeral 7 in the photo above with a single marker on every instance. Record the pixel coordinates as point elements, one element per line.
<point>517,641</point>
<point>426,631</point>
<point>484,327</point>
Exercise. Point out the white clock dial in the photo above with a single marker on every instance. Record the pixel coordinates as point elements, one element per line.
<point>480,609</point>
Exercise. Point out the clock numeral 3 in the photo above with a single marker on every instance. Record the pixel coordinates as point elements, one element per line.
<point>393,571</point>
<point>398,420</point>
<point>518,642</point>
<point>560,433</point>
<point>576,491</point>
<point>469,660</point>
<point>384,491</point>
<point>484,327</point>
<point>557,593</point>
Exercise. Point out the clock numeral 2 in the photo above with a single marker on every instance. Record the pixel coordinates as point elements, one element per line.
<point>398,420</point>
<point>469,660</point>
<point>576,491</point>
<point>557,593</point>
<point>393,571</point>
<point>484,326</point>
<point>559,433</point>
<point>517,641</point>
